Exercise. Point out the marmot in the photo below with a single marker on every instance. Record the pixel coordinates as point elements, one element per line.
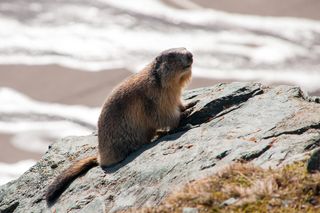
<point>144,103</point>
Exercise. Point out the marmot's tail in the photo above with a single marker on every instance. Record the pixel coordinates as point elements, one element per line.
<point>67,176</point>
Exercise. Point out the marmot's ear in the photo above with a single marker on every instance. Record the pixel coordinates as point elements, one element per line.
<point>156,72</point>
<point>164,68</point>
<point>165,74</point>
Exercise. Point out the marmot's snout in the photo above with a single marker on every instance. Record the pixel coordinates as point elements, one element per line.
<point>188,59</point>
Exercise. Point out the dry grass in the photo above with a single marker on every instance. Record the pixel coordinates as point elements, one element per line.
<point>252,189</point>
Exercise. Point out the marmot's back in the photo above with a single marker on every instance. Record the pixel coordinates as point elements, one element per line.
<point>123,125</point>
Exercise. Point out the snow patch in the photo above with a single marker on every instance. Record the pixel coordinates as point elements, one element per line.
<point>12,171</point>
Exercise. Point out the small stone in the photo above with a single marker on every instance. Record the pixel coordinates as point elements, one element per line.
<point>286,203</point>
<point>190,210</point>
<point>313,164</point>
<point>229,202</point>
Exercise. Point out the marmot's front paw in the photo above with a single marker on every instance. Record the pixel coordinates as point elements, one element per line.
<point>161,133</point>
<point>191,104</point>
<point>186,113</point>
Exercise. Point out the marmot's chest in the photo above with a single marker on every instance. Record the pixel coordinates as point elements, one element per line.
<point>170,107</point>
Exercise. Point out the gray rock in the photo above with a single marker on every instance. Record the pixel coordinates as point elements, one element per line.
<point>229,202</point>
<point>190,210</point>
<point>268,126</point>
<point>313,164</point>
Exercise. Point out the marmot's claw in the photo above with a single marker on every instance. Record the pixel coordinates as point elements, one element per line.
<point>161,133</point>
<point>191,104</point>
<point>186,113</point>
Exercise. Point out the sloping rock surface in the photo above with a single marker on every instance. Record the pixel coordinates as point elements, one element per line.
<point>246,122</point>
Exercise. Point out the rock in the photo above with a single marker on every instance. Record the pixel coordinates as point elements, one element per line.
<point>313,164</point>
<point>229,202</point>
<point>267,126</point>
<point>190,210</point>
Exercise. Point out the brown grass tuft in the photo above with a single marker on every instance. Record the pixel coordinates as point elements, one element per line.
<point>252,189</point>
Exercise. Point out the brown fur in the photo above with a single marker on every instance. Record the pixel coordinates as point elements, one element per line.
<point>144,103</point>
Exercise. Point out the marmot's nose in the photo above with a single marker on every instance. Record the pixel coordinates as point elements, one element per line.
<point>189,56</point>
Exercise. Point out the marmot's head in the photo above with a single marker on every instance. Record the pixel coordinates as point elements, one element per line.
<point>173,66</point>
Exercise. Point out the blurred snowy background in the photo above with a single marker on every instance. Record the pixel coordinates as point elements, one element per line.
<point>60,58</point>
